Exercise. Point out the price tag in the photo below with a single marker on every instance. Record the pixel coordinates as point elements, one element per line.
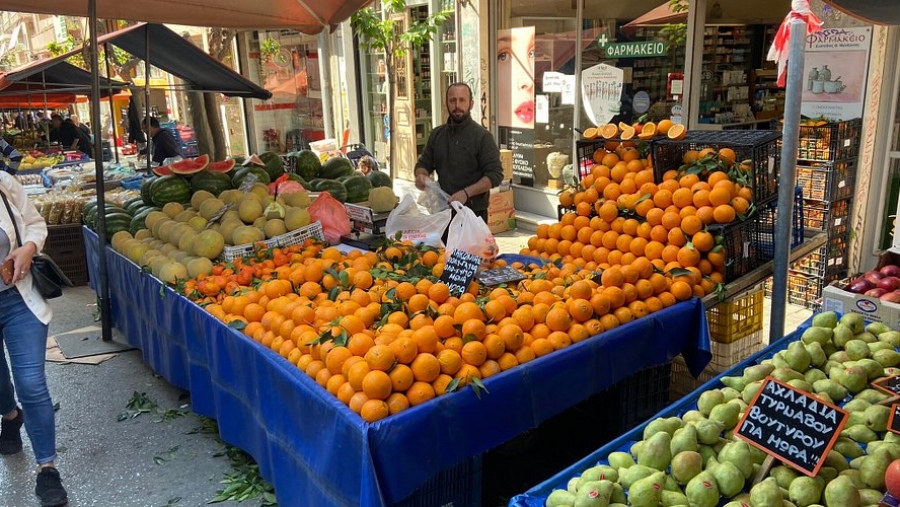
<point>890,385</point>
<point>218,216</point>
<point>248,183</point>
<point>459,271</point>
<point>791,425</point>
<point>500,275</point>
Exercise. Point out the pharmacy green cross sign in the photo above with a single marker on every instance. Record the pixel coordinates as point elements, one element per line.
<point>643,49</point>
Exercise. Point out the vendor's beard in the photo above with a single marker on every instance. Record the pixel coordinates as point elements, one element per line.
<point>461,119</point>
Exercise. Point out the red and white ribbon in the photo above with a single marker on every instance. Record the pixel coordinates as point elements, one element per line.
<point>779,50</point>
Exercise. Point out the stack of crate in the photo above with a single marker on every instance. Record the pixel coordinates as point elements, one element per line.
<point>826,170</point>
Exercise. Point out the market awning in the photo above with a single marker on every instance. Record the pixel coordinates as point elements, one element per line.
<point>658,16</point>
<point>307,16</point>
<point>53,76</point>
<point>178,56</point>
<point>882,12</point>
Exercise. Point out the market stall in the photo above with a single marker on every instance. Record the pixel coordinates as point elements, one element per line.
<point>314,449</point>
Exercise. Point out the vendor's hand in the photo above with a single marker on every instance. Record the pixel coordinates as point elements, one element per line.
<point>421,178</point>
<point>22,257</point>
<point>459,197</point>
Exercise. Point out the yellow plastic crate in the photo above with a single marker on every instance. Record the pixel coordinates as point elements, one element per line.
<point>724,357</point>
<point>736,317</point>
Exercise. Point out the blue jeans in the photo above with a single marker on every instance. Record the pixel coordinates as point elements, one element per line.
<point>25,338</point>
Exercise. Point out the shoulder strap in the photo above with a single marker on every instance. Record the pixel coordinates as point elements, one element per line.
<point>12,217</point>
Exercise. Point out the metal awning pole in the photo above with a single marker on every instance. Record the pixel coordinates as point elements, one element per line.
<point>112,111</point>
<point>147,91</point>
<point>105,307</point>
<point>789,142</point>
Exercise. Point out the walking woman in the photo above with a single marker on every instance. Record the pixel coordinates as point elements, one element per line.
<point>24,317</point>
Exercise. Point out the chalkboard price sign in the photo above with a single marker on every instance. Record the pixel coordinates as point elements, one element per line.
<point>500,275</point>
<point>890,385</point>
<point>459,271</point>
<point>894,421</point>
<point>791,425</point>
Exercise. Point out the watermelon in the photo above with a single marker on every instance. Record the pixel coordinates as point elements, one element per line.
<point>274,165</point>
<point>380,179</point>
<point>132,204</point>
<point>170,189</point>
<point>307,164</point>
<point>211,181</point>
<point>137,223</point>
<point>357,188</point>
<point>299,179</point>
<point>335,167</point>
<point>221,167</point>
<point>162,170</point>
<point>239,160</point>
<point>314,184</point>
<point>190,166</point>
<point>116,222</point>
<point>261,176</point>
<point>335,188</point>
<point>145,190</point>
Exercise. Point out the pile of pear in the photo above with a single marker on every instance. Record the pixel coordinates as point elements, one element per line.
<point>696,461</point>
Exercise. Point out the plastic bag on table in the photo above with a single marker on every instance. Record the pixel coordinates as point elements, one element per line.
<point>331,213</point>
<point>470,234</point>
<point>433,198</point>
<point>415,226</point>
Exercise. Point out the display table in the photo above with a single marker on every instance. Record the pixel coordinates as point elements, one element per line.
<point>313,449</point>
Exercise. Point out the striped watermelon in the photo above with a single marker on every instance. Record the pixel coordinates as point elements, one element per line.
<point>168,189</point>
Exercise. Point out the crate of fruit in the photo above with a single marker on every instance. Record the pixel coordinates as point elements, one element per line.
<point>752,156</point>
<point>830,141</point>
<point>829,261</point>
<point>827,181</point>
<point>769,215</point>
<point>741,243</point>
<point>834,217</point>
<point>296,237</point>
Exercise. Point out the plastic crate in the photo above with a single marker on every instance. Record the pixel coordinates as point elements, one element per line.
<point>833,218</point>
<point>767,226</point>
<point>297,237</point>
<point>458,486</point>
<point>636,398</point>
<point>827,181</point>
<point>741,241</point>
<point>806,290</point>
<point>760,147</point>
<point>835,141</point>
<point>65,245</point>
<point>736,317</point>
<point>828,261</point>
<point>725,355</point>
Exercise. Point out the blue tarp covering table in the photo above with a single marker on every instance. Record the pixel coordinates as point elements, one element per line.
<point>537,496</point>
<point>312,448</point>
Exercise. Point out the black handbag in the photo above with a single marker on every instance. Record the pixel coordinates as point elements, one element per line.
<point>48,277</point>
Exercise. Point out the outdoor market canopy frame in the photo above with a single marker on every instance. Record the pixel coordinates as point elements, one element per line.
<point>307,16</point>
<point>52,78</point>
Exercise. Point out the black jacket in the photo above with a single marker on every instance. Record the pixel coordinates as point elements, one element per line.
<point>461,154</point>
<point>164,146</point>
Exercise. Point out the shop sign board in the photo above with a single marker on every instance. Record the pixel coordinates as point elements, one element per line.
<point>835,73</point>
<point>601,92</point>
<point>642,49</point>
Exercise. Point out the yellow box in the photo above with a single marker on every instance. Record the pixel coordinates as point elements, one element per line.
<point>737,317</point>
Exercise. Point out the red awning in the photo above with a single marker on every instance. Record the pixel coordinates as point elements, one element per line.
<point>307,16</point>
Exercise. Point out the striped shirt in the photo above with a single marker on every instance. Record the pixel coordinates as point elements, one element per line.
<point>15,158</point>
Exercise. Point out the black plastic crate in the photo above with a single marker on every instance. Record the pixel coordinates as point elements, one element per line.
<point>637,398</point>
<point>827,181</point>
<point>741,241</point>
<point>760,147</point>
<point>835,141</point>
<point>828,261</point>
<point>585,149</point>
<point>65,245</point>
<point>804,289</point>
<point>458,486</point>
<point>768,215</point>
<point>833,218</point>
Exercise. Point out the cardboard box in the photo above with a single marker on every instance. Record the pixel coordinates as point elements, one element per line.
<point>834,298</point>
<point>501,212</point>
<point>506,160</point>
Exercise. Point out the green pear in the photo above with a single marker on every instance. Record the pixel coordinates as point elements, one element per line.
<point>841,356</point>
<point>738,454</point>
<point>879,345</point>
<point>854,378</point>
<point>798,357</point>
<point>729,479</point>
<point>805,491</point>
<point>702,490</point>
<point>892,448</point>
<point>635,448</point>
<point>870,497</point>
<point>877,328</point>
<point>892,337</point>
<point>801,384</point>
<point>841,492</point>
<point>836,460</point>
<point>824,397</point>
<point>856,405</point>
<point>890,371</point>
<point>655,426</point>
<point>674,424</point>
<point>737,383</point>
<point>873,468</point>
<point>673,498</point>
<point>857,349</point>
<point>727,414</point>
<point>818,334</point>
<point>730,393</point>
<point>825,319</point>
<point>647,492</point>
<point>874,369</point>
<point>620,460</point>
<point>832,388</point>
<point>671,484</point>
<point>814,374</point>
<point>758,372</point>
<point>778,360</point>
<point>866,337</point>
<point>877,417</point>
<point>856,463</point>
<point>597,473</point>
<point>828,473</point>
<point>750,391</point>
<point>854,321</point>
<point>708,431</point>
<point>594,494</point>
<point>886,357</point>
<point>571,486</point>
<point>872,395</point>
<point>628,476</point>
<point>854,476</point>
<point>708,400</point>
<point>841,335</point>
<point>692,416</point>
<point>707,452</point>
<point>686,465</point>
<point>848,448</point>
<point>560,498</point>
<point>856,418</point>
<point>766,494</point>
<point>817,355</point>
<point>656,451</point>
<point>618,495</point>
<point>830,365</point>
<point>757,455</point>
<point>684,439</point>
<point>783,475</point>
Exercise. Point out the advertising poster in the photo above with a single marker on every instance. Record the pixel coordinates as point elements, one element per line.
<point>837,65</point>
<point>516,104</point>
<point>601,92</point>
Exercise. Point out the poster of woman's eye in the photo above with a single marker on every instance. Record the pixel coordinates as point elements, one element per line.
<point>515,73</point>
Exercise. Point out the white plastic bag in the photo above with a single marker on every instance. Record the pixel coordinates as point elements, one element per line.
<point>433,198</point>
<point>415,226</point>
<point>470,234</point>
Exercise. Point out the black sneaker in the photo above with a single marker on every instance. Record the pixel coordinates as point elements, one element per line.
<point>50,489</point>
<point>10,434</point>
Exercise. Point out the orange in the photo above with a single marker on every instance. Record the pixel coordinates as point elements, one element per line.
<point>489,368</point>
<point>357,401</point>
<point>401,377</point>
<point>524,355</point>
<point>426,367</point>
<point>507,361</point>
<point>474,353</point>
<point>335,359</point>
<point>681,290</point>
<point>377,385</point>
<point>380,357</point>
<point>474,329</point>
<point>724,214</point>
<point>404,349</point>
<point>512,336</point>
<point>467,311</point>
<point>374,410</point>
<point>450,361</point>
<point>345,392</point>
<point>441,383</point>
<point>558,319</point>
<point>719,196</point>
<point>419,393</point>
<point>426,339</point>
<point>727,155</point>
<point>397,402</point>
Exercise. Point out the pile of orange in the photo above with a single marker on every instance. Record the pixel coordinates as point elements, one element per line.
<point>641,131</point>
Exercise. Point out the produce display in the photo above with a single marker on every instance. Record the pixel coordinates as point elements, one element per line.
<point>694,459</point>
<point>637,131</point>
<point>882,283</point>
<point>59,208</point>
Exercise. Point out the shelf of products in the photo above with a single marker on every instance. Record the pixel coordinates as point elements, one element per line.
<point>728,60</point>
